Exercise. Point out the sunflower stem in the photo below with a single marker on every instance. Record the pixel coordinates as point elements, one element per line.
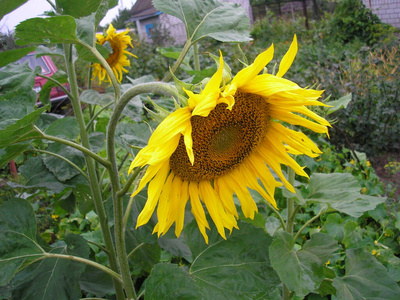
<point>286,294</point>
<point>119,232</point>
<point>91,169</point>
<point>196,57</point>
<point>178,62</point>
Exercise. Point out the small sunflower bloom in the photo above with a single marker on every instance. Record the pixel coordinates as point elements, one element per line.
<point>118,58</point>
<point>224,142</point>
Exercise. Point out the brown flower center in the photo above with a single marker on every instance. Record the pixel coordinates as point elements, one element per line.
<point>223,139</point>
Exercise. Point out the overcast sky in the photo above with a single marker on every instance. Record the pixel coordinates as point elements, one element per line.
<point>34,8</point>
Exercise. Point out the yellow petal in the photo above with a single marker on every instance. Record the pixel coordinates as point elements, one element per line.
<point>287,60</point>
<point>249,73</point>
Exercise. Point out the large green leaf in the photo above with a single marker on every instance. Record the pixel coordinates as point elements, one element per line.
<point>9,56</point>
<point>168,281</point>
<point>37,175</point>
<point>236,268</point>
<point>341,191</point>
<point>222,21</point>
<point>128,135</point>
<point>7,154</point>
<point>94,97</point>
<point>7,6</point>
<point>15,76</point>
<point>148,252</point>
<point>53,278</point>
<point>97,282</point>
<point>81,8</point>
<point>12,131</point>
<point>60,168</point>
<point>66,128</point>
<point>365,278</point>
<point>58,29</point>
<point>17,104</point>
<point>301,271</point>
<point>17,237</point>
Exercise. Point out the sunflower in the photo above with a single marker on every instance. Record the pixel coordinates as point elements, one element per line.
<point>225,141</point>
<point>117,59</point>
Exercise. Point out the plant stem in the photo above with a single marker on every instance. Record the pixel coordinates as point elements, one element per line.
<point>110,272</point>
<point>290,205</point>
<point>320,213</point>
<point>178,62</point>
<point>286,295</point>
<point>94,183</point>
<point>196,57</point>
<point>153,87</point>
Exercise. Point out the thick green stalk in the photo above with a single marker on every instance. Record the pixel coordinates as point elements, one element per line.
<point>153,87</point>
<point>196,57</point>
<point>91,169</point>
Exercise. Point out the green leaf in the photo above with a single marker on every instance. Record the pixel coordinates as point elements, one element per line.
<point>338,104</point>
<point>7,6</point>
<point>128,135</point>
<point>66,128</point>
<point>341,191</point>
<point>83,193</point>
<point>78,8</point>
<point>37,175</point>
<point>7,154</point>
<point>334,226</point>
<point>42,50</point>
<point>44,94</point>
<point>9,56</point>
<point>15,76</point>
<point>168,281</point>
<point>97,141</point>
<point>225,22</point>
<point>14,131</point>
<point>17,104</point>
<point>17,237</point>
<point>53,278</point>
<point>94,97</point>
<point>365,278</point>
<point>58,29</point>
<point>176,247</point>
<point>96,281</point>
<point>271,225</point>
<point>85,29</point>
<point>301,271</point>
<point>147,252</point>
<point>236,268</point>
<point>60,168</point>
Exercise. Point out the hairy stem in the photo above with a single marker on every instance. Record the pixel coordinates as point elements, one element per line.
<point>91,168</point>
<point>178,62</point>
<point>110,272</point>
<point>153,87</point>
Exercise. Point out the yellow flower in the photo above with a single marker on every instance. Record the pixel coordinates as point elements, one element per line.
<point>117,59</point>
<point>224,142</point>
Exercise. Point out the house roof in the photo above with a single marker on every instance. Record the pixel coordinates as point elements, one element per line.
<point>143,9</point>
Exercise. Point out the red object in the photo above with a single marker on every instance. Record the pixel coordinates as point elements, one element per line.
<point>48,69</point>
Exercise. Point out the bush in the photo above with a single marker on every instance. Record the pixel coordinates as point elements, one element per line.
<point>353,20</point>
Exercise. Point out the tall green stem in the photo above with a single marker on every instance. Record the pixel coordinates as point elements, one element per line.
<point>178,62</point>
<point>94,184</point>
<point>286,295</point>
<point>154,87</point>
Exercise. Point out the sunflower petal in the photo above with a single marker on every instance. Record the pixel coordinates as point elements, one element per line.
<point>287,60</point>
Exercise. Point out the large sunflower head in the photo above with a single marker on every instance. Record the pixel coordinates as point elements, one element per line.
<point>117,59</point>
<point>226,141</point>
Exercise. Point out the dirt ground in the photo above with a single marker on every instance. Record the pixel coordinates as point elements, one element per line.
<point>387,177</point>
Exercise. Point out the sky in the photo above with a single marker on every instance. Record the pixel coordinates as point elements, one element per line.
<point>34,8</point>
